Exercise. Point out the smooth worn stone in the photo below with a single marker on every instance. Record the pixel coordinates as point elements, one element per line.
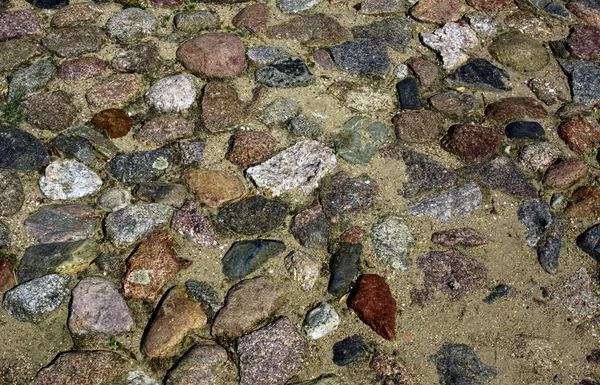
<point>218,54</point>
<point>311,228</point>
<point>459,364</point>
<point>438,12</point>
<point>114,199</point>
<point>455,104</point>
<point>210,300</point>
<point>203,364</point>
<point>584,42</point>
<point>576,296</point>
<point>74,41</point>
<point>98,309</point>
<point>579,135</point>
<point>548,250</point>
<point>272,354</point>
<point>304,268</point>
<point>61,223</point>
<point>519,52</point>
<point>520,130</point>
<point>516,108</point>
<point>584,79</point>
<point>100,142</point>
<point>279,112</point>
<point>423,174</point>
<point>74,14</point>
<point>83,367</point>
<point>18,24</point>
<point>300,166</point>
<point>75,147</point>
<point>363,97</point>
<point>585,202</point>
<point>115,122</point>
<point>20,150</point>
<point>482,23</point>
<point>491,5</point>
<point>359,139</point>
<point>68,179</point>
<point>348,350</point>
<point>537,156</point>
<point>31,79</point>
<point>163,129</point>
<point>381,7</point>
<point>589,241</point>
<point>191,152</point>
<point>266,54</point>
<point>171,194</point>
<point>305,127</point>
<point>48,4</point>
<point>408,94</point>
<point>342,197</point>
<point>195,21</point>
<point>372,301</point>
<point>501,174</point>
<point>426,71</point>
<point>32,300</point>
<point>131,24</point>
<point>288,72</point>
<point>53,111</point>
<point>420,126</point>
<point>115,92</point>
<point>296,6</point>
<point>394,32</point>
<point>498,292</point>
<point>391,239</point>
<point>63,257</point>
<point>245,257</point>
<point>563,175</point>
<point>472,143</point>
<point>456,203</point>
<point>15,52</point>
<point>320,321</point>
<point>253,18</point>
<point>213,188</point>
<point>222,109</point>
<point>311,30</point>
<point>465,236</point>
<point>177,317</point>
<point>172,94</point>
<point>247,305</point>
<point>151,266</point>
<point>250,148</point>
<point>131,224</point>
<point>253,215</point>
<point>480,74</point>
<point>143,58</point>
<point>7,276</point>
<point>451,41</point>
<point>451,273</point>
<point>343,267</point>
<point>141,166</point>
<point>12,194</point>
<point>362,57</point>
<point>534,214</point>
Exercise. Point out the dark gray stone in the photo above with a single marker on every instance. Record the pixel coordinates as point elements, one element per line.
<point>501,174</point>
<point>61,223</point>
<point>584,78</point>
<point>76,147</point>
<point>395,32</point>
<point>457,364</point>
<point>31,78</point>
<point>424,174</point>
<point>304,127</point>
<point>245,257</point>
<point>534,214</point>
<point>348,350</point>
<point>557,9</point>
<point>589,241</point>
<point>11,193</point>
<point>520,130</point>
<point>480,74</point>
<point>48,4</point>
<point>209,299</point>
<point>549,248</point>
<point>21,150</point>
<point>254,215</point>
<point>142,166</point>
<point>498,292</point>
<point>285,73</point>
<point>343,197</point>
<point>408,94</point>
<point>362,57</point>
<point>343,267</point>
<point>39,260</point>
<point>172,194</point>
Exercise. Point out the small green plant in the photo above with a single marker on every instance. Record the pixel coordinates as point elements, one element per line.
<point>134,4</point>
<point>12,111</point>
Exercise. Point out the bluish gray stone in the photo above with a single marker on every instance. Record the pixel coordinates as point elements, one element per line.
<point>42,259</point>
<point>584,78</point>
<point>21,150</point>
<point>457,364</point>
<point>549,248</point>
<point>266,54</point>
<point>348,350</point>
<point>245,257</point>
<point>343,267</point>
<point>534,214</point>
<point>408,94</point>
<point>456,203</point>
<point>141,166</point>
<point>480,74</point>
<point>502,174</point>
<point>74,146</point>
<point>253,215</point>
<point>31,78</point>
<point>589,241</point>
<point>362,57</point>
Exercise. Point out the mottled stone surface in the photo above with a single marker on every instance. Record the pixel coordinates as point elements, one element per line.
<point>131,224</point>
<point>214,188</point>
<point>203,364</point>
<point>391,238</point>
<point>61,223</point>
<point>456,203</point>
<point>68,179</point>
<point>459,364</point>
<point>83,367</point>
<point>312,30</point>
<point>190,223</point>
<point>343,197</point>
<point>501,174</point>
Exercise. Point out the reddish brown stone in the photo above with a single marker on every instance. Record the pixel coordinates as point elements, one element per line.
<point>323,58</point>
<point>387,366</point>
<point>253,18</point>
<point>516,108</point>
<point>312,30</point>
<point>585,202</point>
<point>190,223</point>
<point>222,108</point>
<point>218,54</point>
<point>116,91</point>
<point>153,264</point>
<point>564,174</point>
<point>53,111</point>
<point>82,68</point>
<point>214,188</point>
<point>461,237</point>
<point>114,122</point>
<point>373,302</point>
<point>418,126</point>
<point>491,5</point>
<point>471,142</point>
<point>436,11</point>
<point>95,367</point>
<point>353,235</point>
<point>18,24</point>
<point>588,14</point>
<point>426,71</point>
<point>7,277</point>
<point>584,42</point>
<point>579,135</point>
<point>250,148</point>
<point>162,129</point>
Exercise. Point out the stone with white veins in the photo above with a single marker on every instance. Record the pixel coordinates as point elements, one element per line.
<point>296,6</point>
<point>172,94</point>
<point>320,321</point>
<point>456,203</point>
<point>451,41</point>
<point>391,239</point>
<point>68,179</point>
<point>300,166</point>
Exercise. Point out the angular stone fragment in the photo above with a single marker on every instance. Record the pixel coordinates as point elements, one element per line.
<point>18,24</point>
<point>549,246</point>
<point>61,223</point>
<point>131,224</point>
<point>466,236</point>
<point>348,350</point>
<point>115,92</point>
<point>451,41</point>
<point>343,267</point>
<point>456,203</point>
<point>245,257</point>
<point>288,72</point>
<point>31,78</point>
<point>480,74</point>
<point>7,276</point>
<point>320,321</point>
<point>131,24</point>
<point>222,109</point>
<point>502,174</point>
<point>62,257</point>
<point>360,138</point>
<point>373,302</point>
<point>83,367</point>
<point>391,238</point>
<point>250,147</point>
<point>534,214</point>
<point>589,241</point>
<point>194,226</point>
<point>584,79</point>
<point>459,364</point>
<point>423,174</point>
<point>343,197</point>
<point>16,52</point>
<point>11,193</point>
<point>163,129</point>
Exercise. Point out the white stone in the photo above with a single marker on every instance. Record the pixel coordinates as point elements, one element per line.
<point>114,199</point>
<point>401,71</point>
<point>303,268</point>
<point>296,6</point>
<point>69,179</point>
<point>451,41</point>
<point>320,321</point>
<point>482,23</point>
<point>172,94</point>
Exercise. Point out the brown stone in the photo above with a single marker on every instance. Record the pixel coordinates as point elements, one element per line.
<point>250,148</point>
<point>247,306</point>
<point>7,276</point>
<point>584,42</point>
<point>177,316</point>
<point>311,30</point>
<point>418,126</point>
<point>74,14</point>
<point>163,129</point>
<point>51,111</point>
<point>151,266</point>
<point>310,228</point>
<point>353,235</point>
<point>115,92</point>
<point>82,68</point>
<point>588,14</point>
<point>491,5</point>
<point>455,104</point>
<point>253,18</point>
<point>471,142</point>
<point>113,121</point>
<point>516,108</point>
<point>373,302</point>
<point>218,54</point>
<point>436,11</point>
<point>564,174</point>
<point>222,109</point>
<point>190,223</point>
<point>426,71</point>
<point>585,202</point>
<point>214,188</point>
<point>462,237</point>
<point>579,135</point>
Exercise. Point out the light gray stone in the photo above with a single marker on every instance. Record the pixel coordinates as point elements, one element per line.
<point>391,239</point>
<point>320,321</point>
<point>68,179</point>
